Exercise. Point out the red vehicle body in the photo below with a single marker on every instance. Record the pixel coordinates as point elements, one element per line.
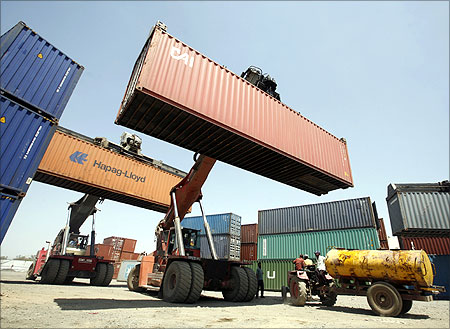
<point>67,259</point>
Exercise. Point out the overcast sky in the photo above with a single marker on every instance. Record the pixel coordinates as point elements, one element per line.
<point>376,73</point>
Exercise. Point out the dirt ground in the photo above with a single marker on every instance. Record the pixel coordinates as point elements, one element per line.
<point>28,304</point>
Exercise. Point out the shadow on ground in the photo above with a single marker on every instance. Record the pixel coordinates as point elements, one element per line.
<point>354,310</point>
<point>71,304</point>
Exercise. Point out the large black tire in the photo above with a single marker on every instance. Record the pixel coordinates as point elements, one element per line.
<point>64,266</point>
<point>100,273</point>
<point>329,299</point>
<point>384,299</point>
<point>252,284</point>
<point>284,292</point>
<point>108,276</point>
<point>177,282</point>
<point>298,292</point>
<point>30,275</point>
<point>50,271</point>
<point>198,278</point>
<point>133,279</point>
<point>407,304</point>
<point>69,279</point>
<point>239,285</point>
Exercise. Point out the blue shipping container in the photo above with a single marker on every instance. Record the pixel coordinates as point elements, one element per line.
<point>227,246</point>
<point>24,138</point>
<point>228,223</point>
<point>442,278</point>
<point>8,207</point>
<point>36,72</point>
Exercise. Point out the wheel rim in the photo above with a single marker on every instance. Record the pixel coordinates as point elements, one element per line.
<point>383,300</point>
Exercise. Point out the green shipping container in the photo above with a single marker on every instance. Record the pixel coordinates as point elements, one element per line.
<point>290,245</point>
<point>274,272</point>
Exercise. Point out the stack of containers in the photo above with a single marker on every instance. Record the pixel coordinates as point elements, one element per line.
<point>285,233</point>
<point>249,242</point>
<point>419,215</point>
<point>122,249</point>
<point>36,82</point>
<point>226,232</point>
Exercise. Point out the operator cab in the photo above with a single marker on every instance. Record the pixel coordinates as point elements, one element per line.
<point>77,244</point>
<point>190,239</point>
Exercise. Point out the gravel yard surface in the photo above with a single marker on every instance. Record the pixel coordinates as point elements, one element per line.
<point>29,304</point>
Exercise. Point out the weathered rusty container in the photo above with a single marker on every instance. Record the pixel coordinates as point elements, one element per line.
<point>182,97</point>
<point>129,245</point>
<point>398,266</point>
<point>75,162</point>
<point>249,251</point>
<point>419,209</point>
<point>431,244</point>
<point>102,250</point>
<point>249,233</point>
<point>382,235</point>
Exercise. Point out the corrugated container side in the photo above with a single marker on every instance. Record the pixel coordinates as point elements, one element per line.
<point>8,207</point>
<point>24,138</point>
<point>249,251</point>
<point>382,235</point>
<point>227,223</point>
<point>249,233</point>
<point>102,250</point>
<point>227,246</point>
<point>275,272</point>
<point>431,245</point>
<point>117,266</point>
<point>419,209</point>
<point>290,245</point>
<point>75,164</point>
<point>37,72</point>
<point>215,112</point>
<point>125,255</point>
<point>129,245</point>
<point>442,277</point>
<point>353,213</point>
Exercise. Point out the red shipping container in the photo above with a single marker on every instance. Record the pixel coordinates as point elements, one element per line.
<point>129,245</point>
<point>114,241</point>
<point>431,245</point>
<point>102,250</point>
<point>382,235</point>
<point>249,251</point>
<point>249,233</point>
<point>116,270</point>
<point>180,96</point>
<point>129,255</point>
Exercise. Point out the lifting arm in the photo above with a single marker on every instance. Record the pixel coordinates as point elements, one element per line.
<point>183,195</point>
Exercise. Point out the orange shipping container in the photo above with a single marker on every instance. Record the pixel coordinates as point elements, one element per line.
<point>77,163</point>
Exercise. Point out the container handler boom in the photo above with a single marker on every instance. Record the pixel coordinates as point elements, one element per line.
<point>175,266</point>
<point>66,259</point>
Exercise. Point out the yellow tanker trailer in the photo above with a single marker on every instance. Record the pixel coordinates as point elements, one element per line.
<point>391,279</point>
